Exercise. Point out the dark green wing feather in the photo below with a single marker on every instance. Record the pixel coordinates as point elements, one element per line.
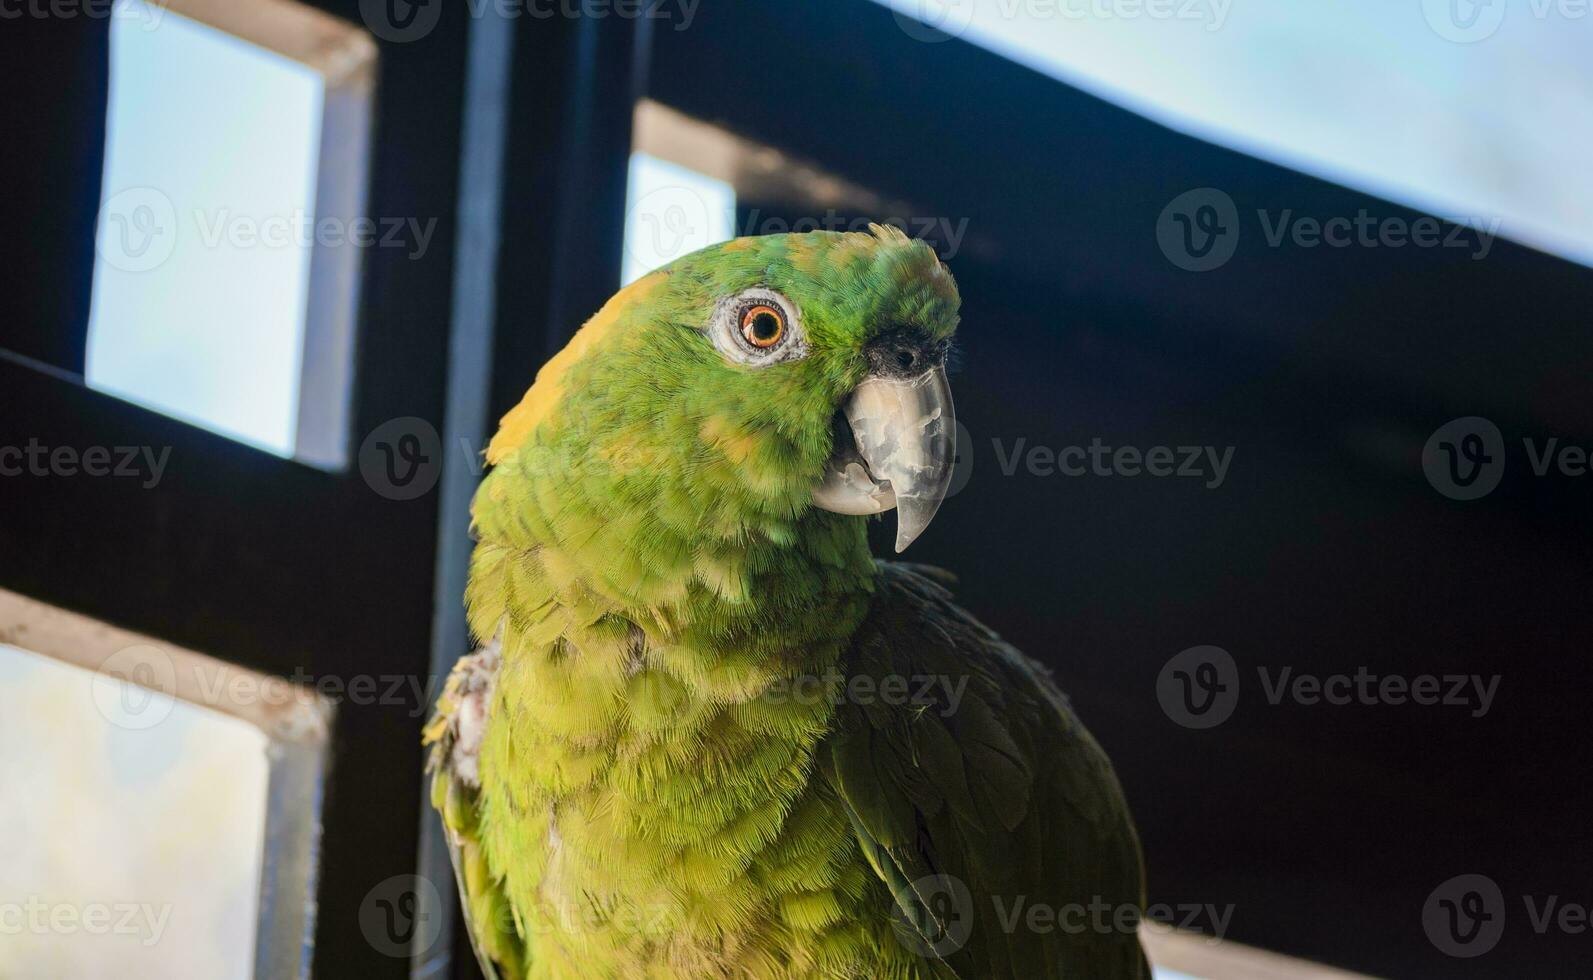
<point>978,797</point>
<point>454,734</point>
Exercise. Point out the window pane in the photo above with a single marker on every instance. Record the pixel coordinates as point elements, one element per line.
<point>166,806</point>
<point>1177,954</point>
<point>223,290</point>
<point>672,211</point>
<point>693,183</point>
<point>139,822</point>
<point>1468,110</point>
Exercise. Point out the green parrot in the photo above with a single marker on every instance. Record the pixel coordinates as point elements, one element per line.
<point>707,734</point>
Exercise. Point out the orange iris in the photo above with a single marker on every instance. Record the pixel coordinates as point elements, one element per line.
<point>762,325</point>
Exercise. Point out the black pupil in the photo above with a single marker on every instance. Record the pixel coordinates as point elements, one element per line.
<point>765,326</point>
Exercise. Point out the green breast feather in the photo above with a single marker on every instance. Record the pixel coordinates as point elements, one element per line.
<point>707,734</point>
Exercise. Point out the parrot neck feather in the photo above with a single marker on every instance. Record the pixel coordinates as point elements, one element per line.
<point>656,726</point>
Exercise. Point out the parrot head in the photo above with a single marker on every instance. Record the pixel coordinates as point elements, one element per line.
<point>753,381</point>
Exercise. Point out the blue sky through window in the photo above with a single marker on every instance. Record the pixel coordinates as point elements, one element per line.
<point>203,253</point>
<point>1467,109</point>
<point>672,211</point>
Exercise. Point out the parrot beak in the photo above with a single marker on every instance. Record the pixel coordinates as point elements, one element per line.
<point>894,448</point>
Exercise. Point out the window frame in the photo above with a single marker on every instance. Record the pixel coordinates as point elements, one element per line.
<point>256,560</point>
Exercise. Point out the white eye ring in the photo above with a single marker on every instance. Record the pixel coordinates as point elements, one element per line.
<point>725,329</point>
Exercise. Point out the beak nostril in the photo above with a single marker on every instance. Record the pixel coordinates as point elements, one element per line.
<point>901,352</point>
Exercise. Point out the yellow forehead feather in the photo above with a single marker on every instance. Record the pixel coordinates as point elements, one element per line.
<point>516,426</point>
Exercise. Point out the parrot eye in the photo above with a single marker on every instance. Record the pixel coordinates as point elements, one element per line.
<point>762,325</point>
<point>757,327</point>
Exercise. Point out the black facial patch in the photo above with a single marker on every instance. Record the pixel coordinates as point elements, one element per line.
<point>904,352</point>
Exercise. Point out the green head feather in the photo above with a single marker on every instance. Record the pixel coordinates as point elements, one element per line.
<point>654,457</point>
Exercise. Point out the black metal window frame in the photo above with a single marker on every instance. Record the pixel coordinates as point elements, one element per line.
<point>260,561</point>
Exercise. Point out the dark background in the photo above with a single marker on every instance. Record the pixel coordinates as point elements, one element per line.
<point>1326,549</point>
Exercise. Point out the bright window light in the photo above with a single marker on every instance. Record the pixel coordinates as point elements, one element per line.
<point>672,211</point>
<point>220,297</point>
<point>169,803</point>
<point>1466,109</point>
<point>1179,955</point>
<point>157,828</point>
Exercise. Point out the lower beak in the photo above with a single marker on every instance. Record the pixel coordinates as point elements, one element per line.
<point>895,449</point>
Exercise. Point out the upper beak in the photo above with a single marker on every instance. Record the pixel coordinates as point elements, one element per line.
<point>896,449</point>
